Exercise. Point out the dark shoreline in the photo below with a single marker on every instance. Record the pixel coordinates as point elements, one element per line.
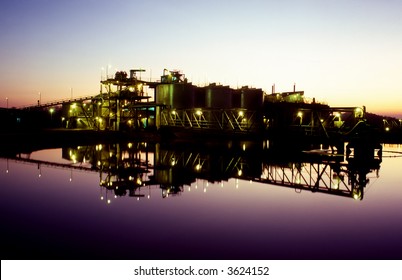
<point>32,140</point>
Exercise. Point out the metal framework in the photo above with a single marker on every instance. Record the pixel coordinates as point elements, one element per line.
<point>237,120</point>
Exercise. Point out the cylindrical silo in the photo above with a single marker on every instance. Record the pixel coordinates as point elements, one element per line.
<point>251,98</point>
<point>179,95</point>
<point>219,97</point>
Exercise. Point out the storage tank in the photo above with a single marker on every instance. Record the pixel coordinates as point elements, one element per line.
<point>251,98</point>
<point>199,97</point>
<point>179,95</point>
<point>218,97</point>
<point>236,96</point>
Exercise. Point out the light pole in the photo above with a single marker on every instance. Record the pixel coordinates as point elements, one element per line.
<point>40,98</point>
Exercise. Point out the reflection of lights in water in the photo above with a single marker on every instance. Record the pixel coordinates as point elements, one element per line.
<point>189,189</point>
<point>357,195</point>
<point>237,183</point>
<point>222,184</point>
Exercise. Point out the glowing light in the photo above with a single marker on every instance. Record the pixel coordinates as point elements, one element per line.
<point>198,112</point>
<point>299,114</point>
<point>198,167</point>
<point>73,106</point>
<point>108,201</point>
<point>173,112</point>
<point>130,145</point>
<point>241,113</point>
<point>139,182</point>
<point>387,129</point>
<point>337,114</point>
<point>101,197</point>
<point>244,147</point>
<point>239,173</point>
<point>74,158</point>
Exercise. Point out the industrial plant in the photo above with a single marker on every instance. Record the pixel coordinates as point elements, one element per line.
<point>172,106</point>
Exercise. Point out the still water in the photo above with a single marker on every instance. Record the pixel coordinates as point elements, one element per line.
<point>229,201</point>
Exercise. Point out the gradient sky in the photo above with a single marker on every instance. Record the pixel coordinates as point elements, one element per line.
<point>344,52</point>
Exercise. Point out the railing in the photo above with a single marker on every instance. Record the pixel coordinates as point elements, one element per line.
<point>58,102</point>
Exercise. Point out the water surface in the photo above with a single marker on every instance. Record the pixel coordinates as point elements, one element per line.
<point>149,201</point>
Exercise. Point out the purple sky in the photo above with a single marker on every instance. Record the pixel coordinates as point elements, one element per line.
<point>346,53</point>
